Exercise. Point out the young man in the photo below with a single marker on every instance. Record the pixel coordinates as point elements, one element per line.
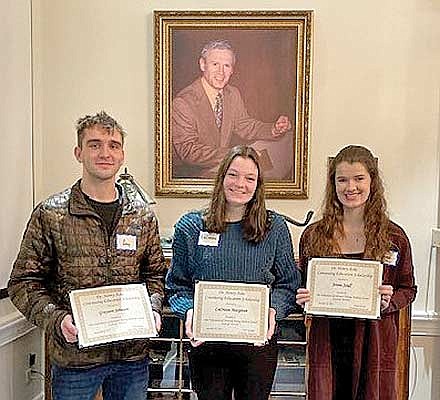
<point>72,241</point>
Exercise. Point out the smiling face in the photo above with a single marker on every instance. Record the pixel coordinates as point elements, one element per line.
<point>353,184</point>
<point>101,154</point>
<point>217,67</point>
<point>240,182</point>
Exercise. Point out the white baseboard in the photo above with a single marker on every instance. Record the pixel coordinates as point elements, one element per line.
<point>13,326</point>
<point>425,324</point>
<point>39,396</point>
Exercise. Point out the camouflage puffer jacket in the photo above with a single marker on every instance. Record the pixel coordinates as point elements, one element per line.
<point>66,246</point>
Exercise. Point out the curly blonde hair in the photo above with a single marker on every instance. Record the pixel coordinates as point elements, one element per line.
<point>376,220</point>
<point>255,221</point>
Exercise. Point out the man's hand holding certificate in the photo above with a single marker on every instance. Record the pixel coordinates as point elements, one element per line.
<point>110,313</point>
<point>344,287</point>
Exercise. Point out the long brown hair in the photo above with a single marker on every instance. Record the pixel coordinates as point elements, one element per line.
<point>255,221</point>
<point>376,221</point>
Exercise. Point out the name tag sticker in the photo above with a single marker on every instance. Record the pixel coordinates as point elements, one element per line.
<point>125,242</point>
<point>208,239</point>
<point>391,258</point>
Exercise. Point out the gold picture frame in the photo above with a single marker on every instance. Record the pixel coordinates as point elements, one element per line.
<point>272,74</point>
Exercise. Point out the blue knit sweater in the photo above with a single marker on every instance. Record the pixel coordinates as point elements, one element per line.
<point>235,259</point>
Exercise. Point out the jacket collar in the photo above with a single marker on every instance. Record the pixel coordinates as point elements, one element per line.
<point>78,204</point>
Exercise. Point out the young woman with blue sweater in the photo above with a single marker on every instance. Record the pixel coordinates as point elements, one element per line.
<point>252,245</point>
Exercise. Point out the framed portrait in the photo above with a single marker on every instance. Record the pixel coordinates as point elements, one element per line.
<point>224,78</point>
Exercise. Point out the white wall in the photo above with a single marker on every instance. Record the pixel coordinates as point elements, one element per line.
<point>16,129</point>
<point>375,82</point>
<point>17,338</point>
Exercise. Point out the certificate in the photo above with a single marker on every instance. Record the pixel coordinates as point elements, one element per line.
<point>344,287</point>
<point>110,313</point>
<point>230,312</point>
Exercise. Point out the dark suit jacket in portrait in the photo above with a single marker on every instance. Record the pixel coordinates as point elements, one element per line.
<point>198,145</point>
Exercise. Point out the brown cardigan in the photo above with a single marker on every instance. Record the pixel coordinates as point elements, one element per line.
<point>379,368</point>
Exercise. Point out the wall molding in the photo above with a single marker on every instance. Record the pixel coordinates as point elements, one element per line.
<point>13,326</point>
<point>425,324</point>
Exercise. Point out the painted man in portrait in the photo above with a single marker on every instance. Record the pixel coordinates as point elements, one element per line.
<point>209,114</point>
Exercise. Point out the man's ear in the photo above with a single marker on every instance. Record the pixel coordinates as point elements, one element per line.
<point>202,64</point>
<point>77,153</point>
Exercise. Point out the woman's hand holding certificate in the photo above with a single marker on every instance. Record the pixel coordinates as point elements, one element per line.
<point>343,287</point>
<point>230,312</point>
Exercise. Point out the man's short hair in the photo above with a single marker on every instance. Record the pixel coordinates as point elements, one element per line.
<point>101,119</point>
<point>217,45</point>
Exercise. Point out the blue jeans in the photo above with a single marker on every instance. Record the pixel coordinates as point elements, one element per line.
<point>119,380</point>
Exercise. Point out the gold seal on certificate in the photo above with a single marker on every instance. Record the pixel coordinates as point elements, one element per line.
<point>344,287</point>
<point>110,313</point>
<point>230,312</point>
